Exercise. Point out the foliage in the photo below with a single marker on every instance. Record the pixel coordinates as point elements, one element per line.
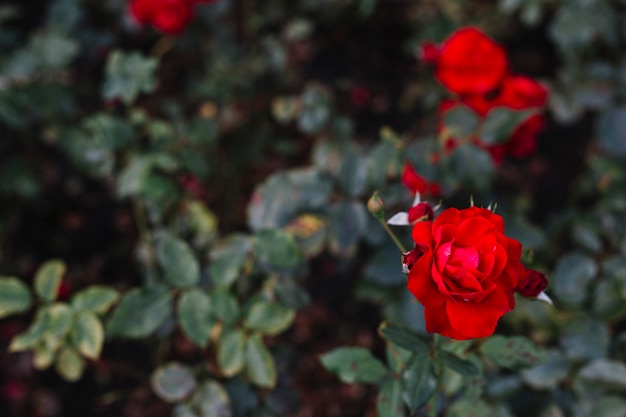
<point>185,213</point>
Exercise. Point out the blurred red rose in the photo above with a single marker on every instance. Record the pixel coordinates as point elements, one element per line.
<point>418,184</point>
<point>469,62</point>
<point>467,272</point>
<point>519,92</point>
<point>523,141</point>
<point>168,16</point>
<point>429,53</point>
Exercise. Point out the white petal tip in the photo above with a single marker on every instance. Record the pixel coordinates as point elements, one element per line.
<point>417,199</point>
<point>399,219</point>
<point>544,297</point>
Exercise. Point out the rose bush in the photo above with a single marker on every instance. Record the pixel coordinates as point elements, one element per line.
<point>466,272</point>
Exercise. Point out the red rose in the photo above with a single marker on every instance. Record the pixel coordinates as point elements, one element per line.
<point>168,16</point>
<point>467,273</point>
<point>413,181</point>
<point>429,53</point>
<point>470,63</point>
<point>523,141</point>
<point>519,92</point>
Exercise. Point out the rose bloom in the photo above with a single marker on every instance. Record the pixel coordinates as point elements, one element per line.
<point>464,272</point>
<point>469,62</point>
<point>168,16</point>
<point>418,184</point>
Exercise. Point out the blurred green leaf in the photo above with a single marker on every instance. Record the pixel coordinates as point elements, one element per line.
<point>95,298</point>
<point>554,369</point>
<point>173,382</point>
<point>70,365</point>
<point>419,382</point>
<point>33,335</point>
<point>609,407</point>
<point>194,316</point>
<point>140,312</point>
<point>260,366</point>
<point>284,195</point>
<point>516,352</point>
<point>606,373</point>
<point>14,296</point>
<point>585,337</point>
<point>48,279</point>
<point>87,335</point>
<point>389,400</point>
<point>277,252</point>
<point>404,338</point>
<point>470,408</point>
<point>572,275</point>
<point>310,233</point>
<point>128,75</point>
<point>610,130</point>
<point>225,306</point>
<point>228,257</point>
<point>461,121</point>
<point>231,351</point>
<point>459,365</point>
<point>354,364</point>
<point>348,222</point>
<point>58,324</point>
<point>180,265</point>
<point>269,318</point>
<point>211,400</point>
<point>469,163</point>
<point>500,123</point>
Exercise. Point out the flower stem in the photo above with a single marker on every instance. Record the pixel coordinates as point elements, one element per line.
<point>393,236</point>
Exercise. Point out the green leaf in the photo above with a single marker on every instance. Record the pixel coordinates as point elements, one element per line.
<point>70,365</point>
<point>354,364</point>
<point>58,324</point>
<point>348,223</point>
<point>610,130</point>
<point>178,261</point>
<point>173,382</point>
<point>96,298</point>
<point>585,337</point>
<point>284,195</point>
<point>606,373</point>
<point>500,123</point>
<point>141,311</point>
<point>461,366</point>
<point>461,121</point>
<point>471,164</point>
<point>88,335</point>
<point>269,318</point>
<point>184,410</point>
<point>14,296</point>
<point>211,400</point>
<point>389,400</point>
<point>227,260</point>
<point>554,369</point>
<point>225,306</point>
<point>571,277</point>
<point>277,252</point>
<point>194,316</point>
<point>470,408</point>
<point>48,279</point>
<point>419,382</point>
<point>230,352</point>
<point>260,366</point>
<point>33,335</point>
<point>128,75</point>
<point>515,352</point>
<point>404,338</point>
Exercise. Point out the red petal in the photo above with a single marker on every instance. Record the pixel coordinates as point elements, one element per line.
<point>478,319</point>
